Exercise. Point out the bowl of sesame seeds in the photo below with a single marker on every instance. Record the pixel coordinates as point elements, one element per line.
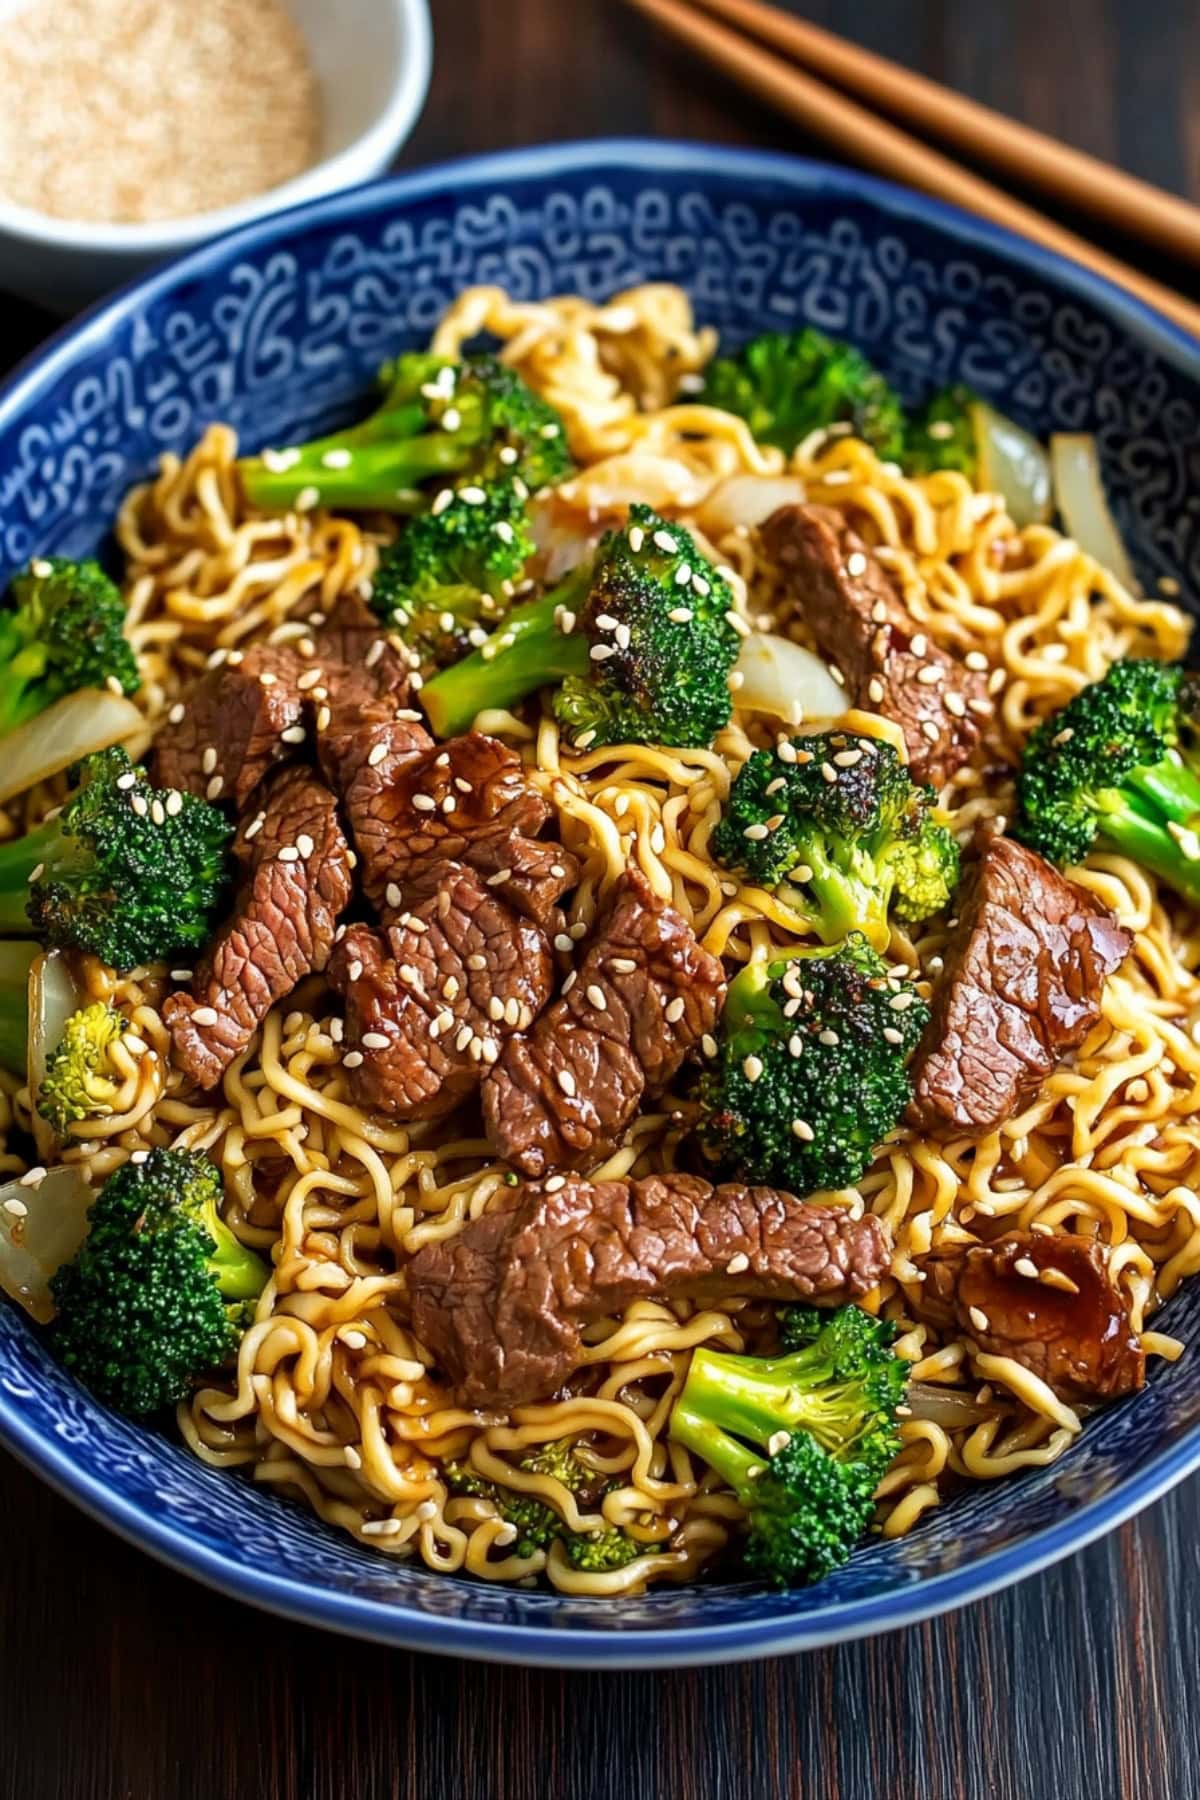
<point>134,129</point>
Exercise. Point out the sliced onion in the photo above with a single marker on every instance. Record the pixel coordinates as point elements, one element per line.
<point>947,1407</point>
<point>53,997</point>
<point>664,482</point>
<point>45,1232</point>
<point>565,537</point>
<point>1079,490</point>
<point>777,674</point>
<point>748,500</point>
<point>74,726</point>
<point>1012,463</point>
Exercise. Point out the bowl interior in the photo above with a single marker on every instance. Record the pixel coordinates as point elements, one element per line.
<point>276,330</point>
<point>355,49</point>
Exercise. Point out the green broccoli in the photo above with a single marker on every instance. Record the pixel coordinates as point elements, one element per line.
<point>453,568</point>
<point>1118,768</point>
<point>810,1073</point>
<point>81,1079</point>
<point>444,421</point>
<point>538,1525</point>
<point>16,960</point>
<point>63,628</point>
<point>942,434</point>
<point>639,645</point>
<point>127,871</point>
<point>788,384</point>
<point>839,826</point>
<point>160,1291</point>
<point>803,1439</point>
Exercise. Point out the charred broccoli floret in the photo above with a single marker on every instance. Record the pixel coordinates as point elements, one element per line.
<point>810,1073</point>
<point>537,1524</point>
<point>62,628</point>
<point>160,1291</point>
<point>639,647</point>
<point>840,827</point>
<point>1119,767</point>
<point>127,871</point>
<point>451,571</point>
<point>788,384</point>
<point>942,434</point>
<point>81,1078</point>
<point>803,1439</point>
<point>439,420</point>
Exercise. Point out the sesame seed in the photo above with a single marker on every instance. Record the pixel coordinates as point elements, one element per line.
<point>683,575</point>
<point>737,1265</point>
<point>441,501</point>
<point>637,538</point>
<point>576,931</point>
<point>752,1068</point>
<point>674,1010</point>
<point>451,419</point>
<point>289,854</point>
<point>495,1008</point>
<point>931,674</point>
<point>295,734</point>
<point>779,1440</point>
<point>175,716</point>
<point>1024,1265</point>
<point>955,705</point>
<point>356,970</point>
<point>828,772</point>
<point>307,498</point>
<point>708,1044</point>
<point>382,1527</point>
<point>1064,736</point>
<point>848,759</point>
<point>625,965</point>
<point>208,761</point>
<point>424,803</point>
<point>930,731</point>
<point>892,1036</point>
<point>33,1178</point>
<point>554,1183</point>
<point>211,792</point>
<point>204,1015</point>
<point>374,1040</point>
<point>803,1130</point>
<point>735,679</point>
<point>679,615</point>
<point>473,496</point>
<point>756,833</point>
<point>599,652</point>
<point>975,659</point>
<point>828,1037</point>
<point>17,1208</point>
<point>216,658</point>
<point>734,618</point>
<point>566,1082</point>
<point>499,878</point>
<point>920,644</point>
<point>665,541</point>
<point>901,1002</point>
<point>563,942</point>
<point>978,1319</point>
<point>596,997</point>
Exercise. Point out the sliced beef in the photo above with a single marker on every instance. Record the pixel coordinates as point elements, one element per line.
<point>221,740</point>
<point>360,657</point>
<point>861,623</point>
<point>1024,976</point>
<point>430,999</point>
<point>531,876</point>
<point>295,882</point>
<point>1047,1300</point>
<point>501,1305</point>
<point>642,997</point>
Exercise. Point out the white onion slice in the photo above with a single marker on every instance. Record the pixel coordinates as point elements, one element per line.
<point>89,719</point>
<point>944,1406</point>
<point>1079,490</point>
<point>45,1231</point>
<point>776,674</point>
<point>1013,464</point>
<point>53,997</point>
<point>664,482</point>
<point>748,500</point>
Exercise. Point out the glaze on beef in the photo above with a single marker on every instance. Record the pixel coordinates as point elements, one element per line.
<point>1024,976</point>
<point>430,999</point>
<point>221,741</point>
<point>295,883</point>
<point>643,996</point>
<point>862,625</point>
<point>1072,1330</point>
<point>501,1305</point>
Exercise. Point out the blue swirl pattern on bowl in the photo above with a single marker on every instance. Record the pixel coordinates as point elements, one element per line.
<point>276,330</point>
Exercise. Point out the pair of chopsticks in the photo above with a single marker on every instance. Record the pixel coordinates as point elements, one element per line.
<point>738,49</point>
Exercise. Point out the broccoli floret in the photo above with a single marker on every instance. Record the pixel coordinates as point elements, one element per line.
<point>942,434</point>
<point>127,871</point>
<point>803,1439</point>
<point>810,1072</point>
<point>438,420</point>
<point>538,1525</point>
<point>788,384</point>
<point>640,647</point>
<point>81,1079</point>
<point>16,960</point>
<point>843,851</point>
<point>63,628</point>
<point>160,1291</point>
<point>452,570</point>
<point>1117,768</point>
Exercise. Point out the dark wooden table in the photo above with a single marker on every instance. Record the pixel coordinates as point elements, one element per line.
<point>119,1679</point>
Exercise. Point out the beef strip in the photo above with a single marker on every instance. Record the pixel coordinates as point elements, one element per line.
<point>295,882</point>
<point>221,740</point>
<point>643,996</point>
<point>1024,975</point>
<point>861,622</point>
<point>360,657</point>
<point>1073,1330</point>
<point>429,1000</point>
<point>501,1305</point>
<point>531,876</point>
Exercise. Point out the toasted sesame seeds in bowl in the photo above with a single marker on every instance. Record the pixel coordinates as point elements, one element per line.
<point>335,93</point>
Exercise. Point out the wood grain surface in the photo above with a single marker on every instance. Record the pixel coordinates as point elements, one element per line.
<point>119,1679</point>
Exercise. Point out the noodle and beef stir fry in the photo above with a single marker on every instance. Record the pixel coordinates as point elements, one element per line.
<point>349,1386</point>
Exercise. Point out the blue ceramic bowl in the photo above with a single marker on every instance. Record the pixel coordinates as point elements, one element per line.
<point>276,329</point>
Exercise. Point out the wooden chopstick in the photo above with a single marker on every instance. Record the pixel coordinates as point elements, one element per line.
<point>870,140</point>
<point>1070,176</point>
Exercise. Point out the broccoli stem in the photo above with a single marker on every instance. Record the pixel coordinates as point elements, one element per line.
<point>1171,788</point>
<point>240,1273</point>
<point>19,697</point>
<point>1145,840</point>
<point>19,857</point>
<point>527,652</point>
<point>753,1395</point>
<point>384,470</point>
<point>732,1460</point>
<point>843,904</point>
<point>15,963</point>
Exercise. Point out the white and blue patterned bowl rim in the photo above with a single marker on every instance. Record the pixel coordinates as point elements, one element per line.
<point>275,327</point>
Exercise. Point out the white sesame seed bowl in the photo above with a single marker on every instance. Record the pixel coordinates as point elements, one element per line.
<point>277,328</point>
<point>370,64</point>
